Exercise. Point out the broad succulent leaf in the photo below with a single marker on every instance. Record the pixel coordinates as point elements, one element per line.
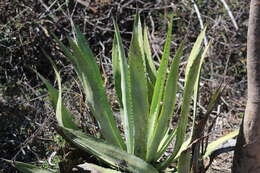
<point>138,90</point>
<point>158,91</point>
<point>107,152</point>
<point>88,72</point>
<point>168,103</point>
<point>192,70</point>
<point>28,168</point>
<point>126,108</point>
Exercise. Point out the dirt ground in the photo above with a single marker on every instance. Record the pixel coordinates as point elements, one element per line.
<point>26,117</point>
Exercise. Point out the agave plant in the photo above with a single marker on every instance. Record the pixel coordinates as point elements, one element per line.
<point>147,98</point>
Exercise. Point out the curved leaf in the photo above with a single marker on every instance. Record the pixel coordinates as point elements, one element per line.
<point>107,152</point>
<point>65,118</point>
<point>95,168</point>
<point>215,144</point>
<point>88,73</point>
<point>28,168</point>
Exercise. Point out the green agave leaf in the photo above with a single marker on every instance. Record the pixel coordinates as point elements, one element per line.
<point>65,118</point>
<point>88,73</point>
<point>169,101</point>
<point>28,168</point>
<point>116,69</point>
<point>150,91</point>
<point>59,114</point>
<point>214,145</point>
<point>95,168</point>
<point>186,155</point>
<point>165,142</point>
<point>185,146</point>
<point>158,91</point>
<point>195,50</point>
<point>139,91</point>
<point>159,85</point>
<point>196,89</point>
<point>150,67</point>
<point>152,73</point>
<point>192,71</point>
<point>127,110</point>
<point>107,152</point>
<point>139,34</point>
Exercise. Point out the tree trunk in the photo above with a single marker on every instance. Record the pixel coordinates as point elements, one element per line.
<point>247,152</point>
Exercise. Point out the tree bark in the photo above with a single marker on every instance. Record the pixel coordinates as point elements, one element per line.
<point>247,152</point>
